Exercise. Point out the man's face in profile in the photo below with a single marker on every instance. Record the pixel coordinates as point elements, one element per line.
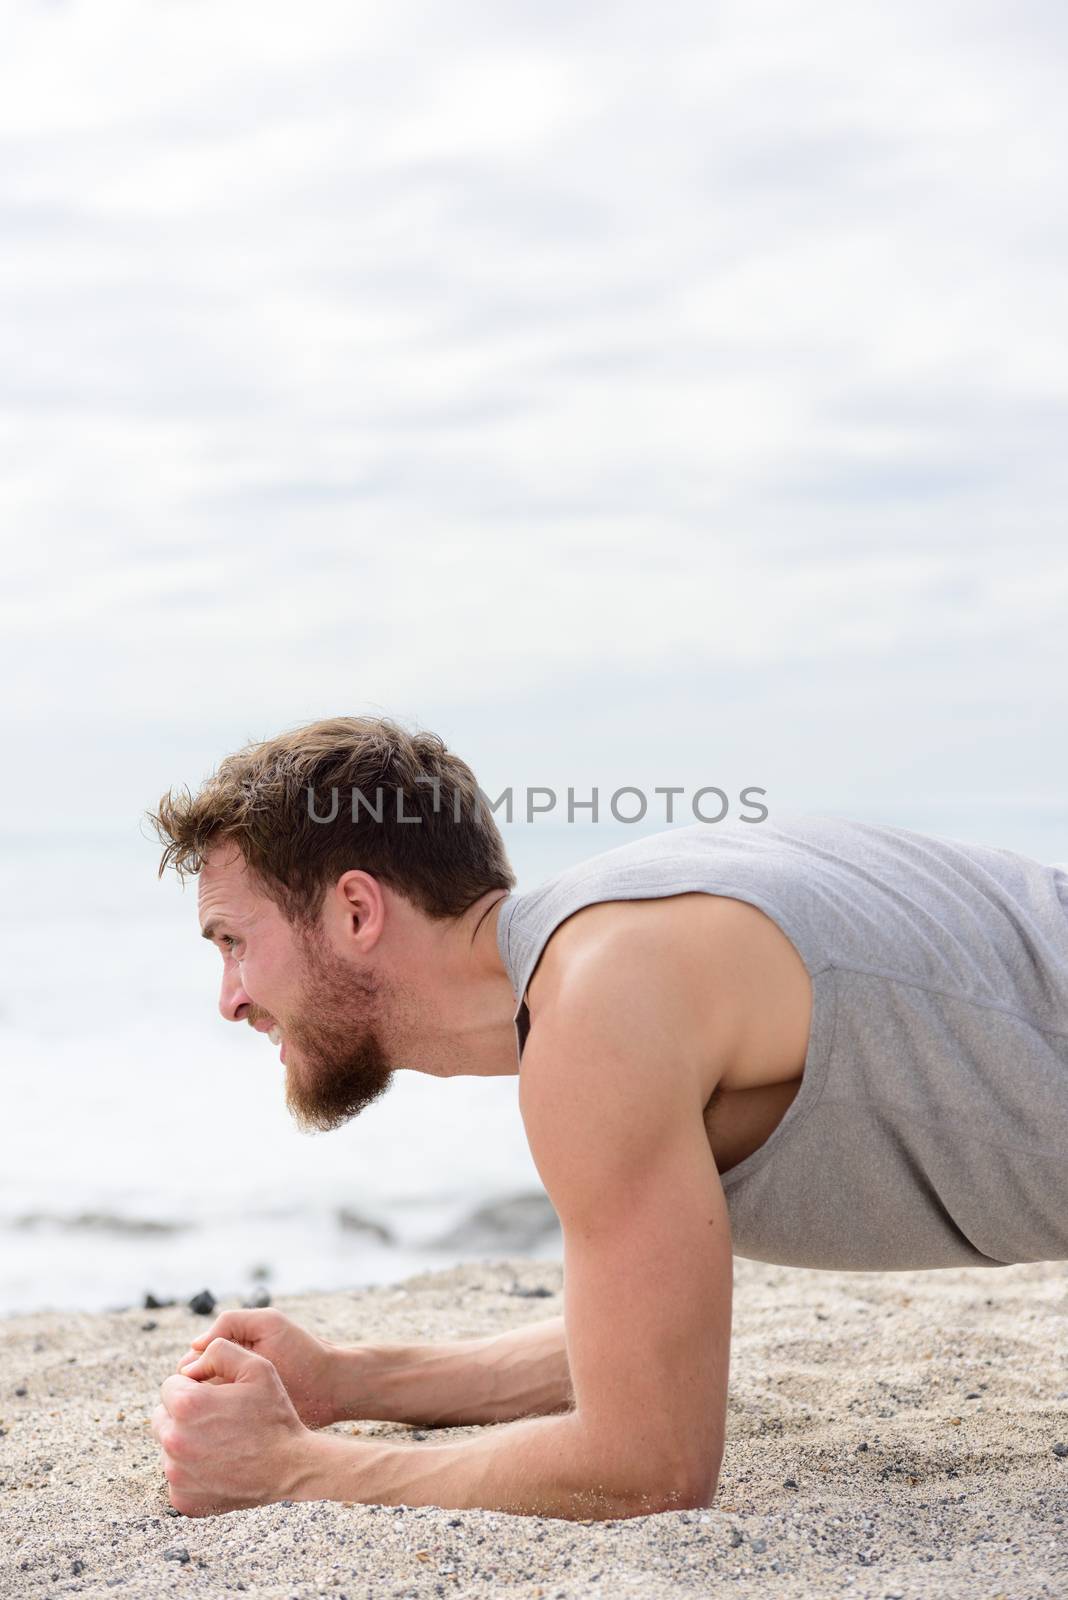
<point>324,1012</point>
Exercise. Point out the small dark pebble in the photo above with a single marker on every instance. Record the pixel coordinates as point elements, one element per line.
<point>259,1300</point>
<point>863,1445</point>
<point>975,1395</point>
<point>150,1303</point>
<point>538,1292</point>
<point>77,1568</point>
<point>455,1522</point>
<point>178,1553</point>
<point>22,1389</point>
<point>147,1327</point>
<point>1058,1449</point>
<point>203,1303</point>
<point>789,1483</point>
<point>417,1434</point>
<point>737,1538</point>
<point>759,1546</point>
<point>169,1511</point>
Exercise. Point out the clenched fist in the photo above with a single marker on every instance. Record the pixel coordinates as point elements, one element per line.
<point>306,1365</point>
<point>229,1435</point>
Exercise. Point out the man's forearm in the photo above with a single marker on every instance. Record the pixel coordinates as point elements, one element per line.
<point>549,1467</point>
<point>523,1373</point>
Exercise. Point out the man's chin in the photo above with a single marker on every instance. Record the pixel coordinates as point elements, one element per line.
<point>311,1117</point>
<point>319,1113</point>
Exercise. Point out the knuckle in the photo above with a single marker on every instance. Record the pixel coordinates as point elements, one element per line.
<point>212,1352</point>
<point>262,1323</point>
<point>182,1404</point>
<point>169,1441</point>
<point>171,1386</point>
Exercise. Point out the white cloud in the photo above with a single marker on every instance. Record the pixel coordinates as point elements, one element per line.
<point>460,356</point>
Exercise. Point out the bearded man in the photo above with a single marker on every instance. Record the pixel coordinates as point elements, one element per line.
<point>812,1041</point>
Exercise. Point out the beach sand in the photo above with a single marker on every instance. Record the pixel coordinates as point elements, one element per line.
<point>888,1435</point>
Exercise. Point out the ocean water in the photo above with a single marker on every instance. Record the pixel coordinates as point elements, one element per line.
<point>146,1144</point>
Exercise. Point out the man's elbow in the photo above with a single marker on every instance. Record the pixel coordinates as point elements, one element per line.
<point>631,1473</point>
<point>676,1486</point>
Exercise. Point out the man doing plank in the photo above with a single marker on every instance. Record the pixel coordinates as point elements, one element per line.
<point>811,1041</point>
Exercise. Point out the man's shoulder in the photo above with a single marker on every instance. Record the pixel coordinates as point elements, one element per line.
<point>634,974</point>
<point>609,941</point>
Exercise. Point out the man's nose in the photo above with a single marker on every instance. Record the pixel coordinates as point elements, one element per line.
<point>233,1001</point>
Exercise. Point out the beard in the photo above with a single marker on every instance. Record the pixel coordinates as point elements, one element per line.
<point>336,1061</point>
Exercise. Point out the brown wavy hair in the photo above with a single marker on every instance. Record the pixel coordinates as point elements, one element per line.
<point>266,799</point>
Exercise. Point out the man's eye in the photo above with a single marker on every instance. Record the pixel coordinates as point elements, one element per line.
<point>229,941</point>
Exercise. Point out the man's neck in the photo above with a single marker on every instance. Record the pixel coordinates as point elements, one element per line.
<point>463,1024</point>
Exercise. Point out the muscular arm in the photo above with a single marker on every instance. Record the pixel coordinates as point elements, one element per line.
<point>498,1378</point>
<point>615,1123</point>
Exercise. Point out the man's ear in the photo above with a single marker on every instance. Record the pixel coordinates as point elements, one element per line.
<point>361,903</point>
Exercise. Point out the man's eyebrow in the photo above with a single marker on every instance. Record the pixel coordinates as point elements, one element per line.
<point>209,930</point>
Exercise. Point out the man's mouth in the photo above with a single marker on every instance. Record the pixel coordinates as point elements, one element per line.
<point>276,1036</point>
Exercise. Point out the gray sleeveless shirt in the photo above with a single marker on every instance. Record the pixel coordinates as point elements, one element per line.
<point>930,1128</point>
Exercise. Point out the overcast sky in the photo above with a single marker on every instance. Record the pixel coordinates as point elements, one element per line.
<point>631,393</point>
